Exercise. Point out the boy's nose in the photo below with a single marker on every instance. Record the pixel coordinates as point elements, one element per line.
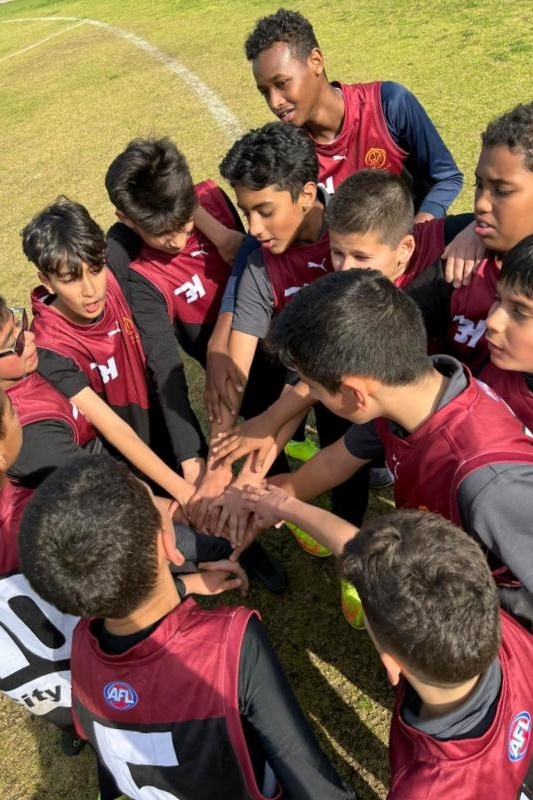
<point>496,318</point>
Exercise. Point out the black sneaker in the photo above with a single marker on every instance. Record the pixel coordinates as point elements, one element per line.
<point>70,745</point>
<point>258,564</point>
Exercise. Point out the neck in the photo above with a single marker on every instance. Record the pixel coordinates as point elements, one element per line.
<point>411,405</point>
<point>6,384</point>
<point>311,227</point>
<point>326,119</point>
<point>437,702</point>
<point>161,602</point>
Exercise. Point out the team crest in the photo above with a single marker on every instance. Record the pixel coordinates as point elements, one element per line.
<point>129,329</point>
<point>120,695</point>
<point>519,736</point>
<point>376,158</point>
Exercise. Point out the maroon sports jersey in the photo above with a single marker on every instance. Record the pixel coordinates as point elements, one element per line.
<point>108,351</point>
<point>193,281</point>
<point>35,399</point>
<point>492,765</point>
<point>469,307</point>
<point>35,638</point>
<point>429,245</point>
<point>511,386</point>
<point>364,141</point>
<point>164,715</point>
<point>297,267</point>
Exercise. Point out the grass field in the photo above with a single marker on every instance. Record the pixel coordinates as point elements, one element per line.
<point>78,79</point>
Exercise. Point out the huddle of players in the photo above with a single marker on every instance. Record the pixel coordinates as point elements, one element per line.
<point>95,542</point>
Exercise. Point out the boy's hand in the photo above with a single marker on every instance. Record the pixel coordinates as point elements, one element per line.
<point>193,470</point>
<point>233,520</point>
<point>222,382</point>
<point>213,484</point>
<point>267,502</point>
<point>217,577</point>
<point>229,245</point>
<point>254,436</point>
<point>463,256</point>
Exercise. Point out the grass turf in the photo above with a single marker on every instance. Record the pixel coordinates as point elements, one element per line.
<point>72,93</point>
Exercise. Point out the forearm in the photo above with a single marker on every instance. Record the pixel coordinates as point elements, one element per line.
<point>330,467</point>
<point>328,529</point>
<point>209,226</point>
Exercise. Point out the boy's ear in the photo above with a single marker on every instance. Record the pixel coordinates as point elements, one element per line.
<point>315,60</point>
<point>393,667</point>
<point>124,219</point>
<point>359,387</point>
<point>45,282</point>
<point>308,195</point>
<point>406,248</point>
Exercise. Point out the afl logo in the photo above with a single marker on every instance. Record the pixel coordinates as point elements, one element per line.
<point>376,158</point>
<point>519,735</point>
<point>120,695</point>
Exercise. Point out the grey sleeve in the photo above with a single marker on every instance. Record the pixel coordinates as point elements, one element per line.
<point>496,504</point>
<point>362,441</point>
<point>254,301</point>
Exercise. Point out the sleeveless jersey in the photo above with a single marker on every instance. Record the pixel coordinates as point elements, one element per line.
<point>108,351</point>
<point>472,431</point>
<point>297,267</point>
<point>35,638</point>
<point>493,765</point>
<point>36,400</point>
<point>429,241</point>
<point>193,281</point>
<point>469,307</point>
<point>164,715</point>
<point>364,141</point>
<point>512,387</point>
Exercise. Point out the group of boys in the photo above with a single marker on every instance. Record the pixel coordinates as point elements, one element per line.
<point>330,303</point>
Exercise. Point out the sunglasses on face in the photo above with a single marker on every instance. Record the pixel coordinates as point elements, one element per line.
<point>20,321</point>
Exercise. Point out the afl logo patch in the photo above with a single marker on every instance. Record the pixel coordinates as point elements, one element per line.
<point>120,695</point>
<point>376,158</point>
<point>519,735</point>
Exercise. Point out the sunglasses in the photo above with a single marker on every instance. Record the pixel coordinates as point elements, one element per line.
<point>20,320</point>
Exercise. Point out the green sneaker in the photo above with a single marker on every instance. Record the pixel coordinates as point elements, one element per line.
<point>307,543</point>
<point>301,451</point>
<point>352,607</point>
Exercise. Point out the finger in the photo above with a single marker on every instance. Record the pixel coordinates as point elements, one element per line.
<point>230,584</point>
<point>221,522</point>
<point>449,267</point>
<point>468,269</point>
<point>458,271</point>
<point>234,377</point>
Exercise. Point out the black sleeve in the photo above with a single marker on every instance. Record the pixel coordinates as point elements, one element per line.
<point>267,704</point>
<point>164,362</point>
<point>47,445</point>
<point>62,372</point>
<point>432,294</point>
<point>454,224</point>
<point>235,214</point>
<point>362,441</point>
<point>123,246</point>
<point>496,505</point>
<point>254,301</point>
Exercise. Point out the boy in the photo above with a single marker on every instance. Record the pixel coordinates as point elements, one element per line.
<point>35,646</point>
<point>176,700</point>
<point>452,445</point>
<point>502,206</point>
<point>377,125</point>
<point>274,173</point>
<point>510,333</point>
<point>89,348</point>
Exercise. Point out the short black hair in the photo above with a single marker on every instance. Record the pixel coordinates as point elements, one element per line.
<point>427,593</point>
<point>64,235</point>
<point>276,155</point>
<point>517,267</point>
<point>514,130</point>
<point>151,184</point>
<point>283,26</point>
<point>88,539</point>
<point>352,323</point>
<point>372,201</point>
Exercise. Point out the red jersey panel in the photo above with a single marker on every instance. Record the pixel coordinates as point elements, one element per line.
<point>493,765</point>
<point>297,267</point>
<point>35,638</point>
<point>473,430</point>
<point>429,245</point>
<point>511,386</point>
<point>164,715</point>
<point>35,400</point>
<point>193,281</point>
<point>469,307</point>
<point>108,351</point>
<point>364,141</point>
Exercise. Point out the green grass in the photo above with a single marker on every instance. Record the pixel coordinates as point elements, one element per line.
<point>69,104</point>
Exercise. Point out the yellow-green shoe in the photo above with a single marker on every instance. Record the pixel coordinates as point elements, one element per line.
<point>352,607</point>
<point>301,451</point>
<point>307,543</point>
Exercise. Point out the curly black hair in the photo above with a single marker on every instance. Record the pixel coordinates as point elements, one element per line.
<point>514,130</point>
<point>283,26</point>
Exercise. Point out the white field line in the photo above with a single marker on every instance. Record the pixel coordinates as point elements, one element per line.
<point>216,108</point>
<point>42,41</point>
